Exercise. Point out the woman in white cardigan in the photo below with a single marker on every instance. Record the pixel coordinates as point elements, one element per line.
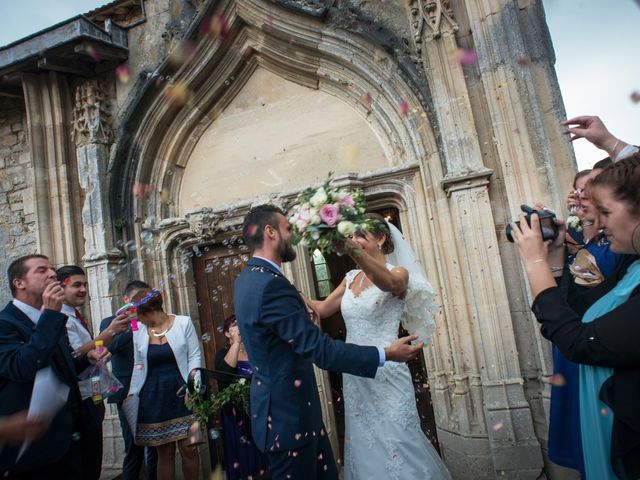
<point>166,350</point>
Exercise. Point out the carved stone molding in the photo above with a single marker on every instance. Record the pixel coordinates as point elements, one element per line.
<point>430,19</point>
<point>453,183</point>
<point>92,122</point>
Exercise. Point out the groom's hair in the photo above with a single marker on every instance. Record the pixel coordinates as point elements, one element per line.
<point>255,222</point>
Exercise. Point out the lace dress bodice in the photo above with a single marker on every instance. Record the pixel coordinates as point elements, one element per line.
<point>372,317</point>
<point>383,438</point>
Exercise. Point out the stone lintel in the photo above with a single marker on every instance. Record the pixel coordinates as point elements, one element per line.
<point>101,258</point>
<point>314,8</point>
<point>465,181</point>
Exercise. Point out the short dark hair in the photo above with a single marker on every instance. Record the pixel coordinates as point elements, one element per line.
<point>579,175</point>
<point>230,320</point>
<point>255,222</point>
<point>17,269</point>
<point>67,271</point>
<point>602,164</point>
<point>134,285</point>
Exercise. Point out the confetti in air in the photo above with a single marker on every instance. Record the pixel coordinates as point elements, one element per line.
<point>635,97</point>
<point>177,94</point>
<point>93,54</point>
<point>404,108</point>
<point>558,380</point>
<point>498,426</point>
<point>367,98</point>
<point>524,60</point>
<point>297,383</point>
<point>122,74</point>
<point>219,27</point>
<point>464,56</point>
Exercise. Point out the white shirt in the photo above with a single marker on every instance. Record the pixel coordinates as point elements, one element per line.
<point>78,335</point>
<point>275,265</point>
<point>625,152</point>
<point>31,312</point>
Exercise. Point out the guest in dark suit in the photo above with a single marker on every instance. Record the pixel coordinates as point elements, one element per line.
<point>32,337</point>
<point>121,350</point>
<point>74,284</point>
<point>283,344</point>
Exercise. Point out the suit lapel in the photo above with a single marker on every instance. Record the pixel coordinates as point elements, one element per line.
<point>62,359</point>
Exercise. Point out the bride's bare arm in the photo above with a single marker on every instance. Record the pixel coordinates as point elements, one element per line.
<point>394,280</point>
<point>331,304</point>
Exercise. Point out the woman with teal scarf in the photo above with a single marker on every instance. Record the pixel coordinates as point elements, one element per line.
<point>606,340</point>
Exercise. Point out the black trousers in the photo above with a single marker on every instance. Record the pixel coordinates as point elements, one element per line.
<point>312,461</point>
<point>68,467</point>
<point>91,439</point>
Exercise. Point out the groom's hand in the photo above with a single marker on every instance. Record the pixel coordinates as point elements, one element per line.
<point>401,350</point>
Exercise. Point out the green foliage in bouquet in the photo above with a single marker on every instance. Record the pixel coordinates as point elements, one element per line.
<point>204,406</point>
<point>323,217</point>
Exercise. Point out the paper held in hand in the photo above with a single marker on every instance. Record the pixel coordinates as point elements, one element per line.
<point>48,397</point>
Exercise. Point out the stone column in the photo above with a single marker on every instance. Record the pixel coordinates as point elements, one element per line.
<point>48,108</point>
<point>486,368</point>
<point>92,134</point>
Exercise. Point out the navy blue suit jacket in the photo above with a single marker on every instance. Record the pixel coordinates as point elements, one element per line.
<point>283,344</point>
<point>24,349</point>
<point>121,349</point>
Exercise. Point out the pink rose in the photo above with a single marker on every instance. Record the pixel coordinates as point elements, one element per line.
<point>348,201</point>
<point>329,214</point>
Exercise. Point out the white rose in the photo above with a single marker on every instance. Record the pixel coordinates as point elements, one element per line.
<point>315,235</point>
<point>346,228</point>
<point>316,219</point>
<point>319,198</point>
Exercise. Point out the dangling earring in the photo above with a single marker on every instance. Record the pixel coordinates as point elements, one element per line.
<point>380,246</point>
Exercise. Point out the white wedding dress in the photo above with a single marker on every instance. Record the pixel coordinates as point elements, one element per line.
<point>383,438</point>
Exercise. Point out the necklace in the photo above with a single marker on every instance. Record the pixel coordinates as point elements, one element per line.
<point>159,334</point>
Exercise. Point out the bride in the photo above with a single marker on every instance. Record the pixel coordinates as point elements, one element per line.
<point>383,438</point>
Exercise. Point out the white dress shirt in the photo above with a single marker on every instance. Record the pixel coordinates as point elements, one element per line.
<point>31,312</point>
<point>78,335</point>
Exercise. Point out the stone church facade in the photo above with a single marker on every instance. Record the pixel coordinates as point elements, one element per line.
<point>134,139</point>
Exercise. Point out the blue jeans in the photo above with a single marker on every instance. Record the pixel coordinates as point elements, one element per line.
<point>135,455</point>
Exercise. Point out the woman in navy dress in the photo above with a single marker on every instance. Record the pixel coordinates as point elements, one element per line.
<point>242,458</point>
<point>167,349</point>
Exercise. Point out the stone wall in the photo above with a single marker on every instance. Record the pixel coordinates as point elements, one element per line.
<point>18,234</point>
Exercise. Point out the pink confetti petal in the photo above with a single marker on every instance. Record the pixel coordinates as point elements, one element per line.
<point>465,57</point>
<point>122,73</point>
<point>404,108</point>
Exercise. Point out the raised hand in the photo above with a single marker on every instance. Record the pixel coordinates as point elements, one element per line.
<point>53,296</point>
<point>592,128</point>
<point>401,350</point>
<point>119,324</point>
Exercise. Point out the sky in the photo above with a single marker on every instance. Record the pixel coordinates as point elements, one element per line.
<point>595,42</point>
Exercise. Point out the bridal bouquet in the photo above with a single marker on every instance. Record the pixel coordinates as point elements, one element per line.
<point>323,217</point>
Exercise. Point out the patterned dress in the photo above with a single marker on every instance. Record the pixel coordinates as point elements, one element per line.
<point>162,416</point>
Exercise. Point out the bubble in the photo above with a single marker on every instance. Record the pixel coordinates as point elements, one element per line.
<point>214,434</point>
<point>219,288</point>
<point>208,268</point>
<point>225,305</point>
<point>120,244</point>
<point>215,299</point>
<point>76,436</point>
<point>146,236</point>
<point>243,440</point>
<point>131,246</point>
<point>206,337</point>
<point>220,329</point>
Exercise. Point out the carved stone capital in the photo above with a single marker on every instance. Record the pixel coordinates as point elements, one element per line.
<point>92,122</point>
<point>466,181</point>
<point>430,19</point>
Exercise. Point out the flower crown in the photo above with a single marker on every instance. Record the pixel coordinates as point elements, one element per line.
<point>153,293</point>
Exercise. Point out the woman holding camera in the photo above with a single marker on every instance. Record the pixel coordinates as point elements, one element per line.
<point>605,340</point>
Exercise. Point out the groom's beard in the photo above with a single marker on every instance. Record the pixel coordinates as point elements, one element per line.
<point>286,251</point>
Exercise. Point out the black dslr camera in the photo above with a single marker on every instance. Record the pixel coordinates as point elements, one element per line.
<point>548,226</point>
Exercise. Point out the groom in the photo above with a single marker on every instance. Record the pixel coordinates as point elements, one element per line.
<point>283,344</point>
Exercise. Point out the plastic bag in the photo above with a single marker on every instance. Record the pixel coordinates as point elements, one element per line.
<point>98,381</point>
